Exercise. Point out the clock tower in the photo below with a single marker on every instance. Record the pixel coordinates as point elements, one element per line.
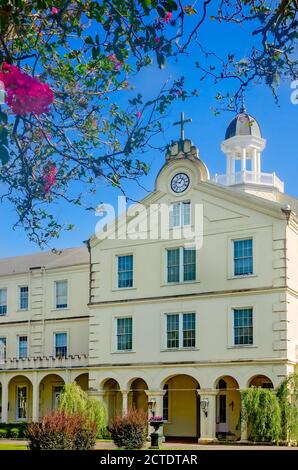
<point>183,167</point>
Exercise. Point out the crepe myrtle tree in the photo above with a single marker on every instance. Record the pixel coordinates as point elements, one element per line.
<point>71,119</point>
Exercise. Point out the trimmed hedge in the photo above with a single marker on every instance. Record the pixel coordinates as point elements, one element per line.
<point>13,430</point>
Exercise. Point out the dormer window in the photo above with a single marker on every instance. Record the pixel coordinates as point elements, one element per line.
<point>180,214</point>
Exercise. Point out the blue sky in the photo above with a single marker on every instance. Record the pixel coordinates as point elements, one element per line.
<point>278,125</point>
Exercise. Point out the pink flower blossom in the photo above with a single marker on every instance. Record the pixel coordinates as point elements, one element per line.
<point>168,16</point>
<point>49,178</point>
<point>139,114</point>
<point>25,94</point>
<point>157,40</point>
<point>115,61</point>
<point>55,10</point>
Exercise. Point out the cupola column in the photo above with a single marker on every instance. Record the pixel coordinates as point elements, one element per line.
<point>232,168</point>
<point>243,162</point>
<point>254,164</point>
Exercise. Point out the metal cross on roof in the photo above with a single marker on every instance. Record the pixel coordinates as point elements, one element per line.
<point>181,124</point>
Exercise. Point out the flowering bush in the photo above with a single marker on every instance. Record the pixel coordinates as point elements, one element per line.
<point>156,418</point>
<point>49,177</point>
<point>61,431</point>
<point>25,94</point>
<point>130,430</point>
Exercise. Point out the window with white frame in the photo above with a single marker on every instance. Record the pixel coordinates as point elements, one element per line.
<point>2,349</point>
<point>181,264</point>
<point>124,334</point>
<point>24,297</point>
<point>60,344</point>
<point>180,214</point>
<point>180,330</point>
<point>243,326</point>
<point>61,288</point>
<point>243,257</point>
<point>22,347</point>
<point>125,271</point>
<point>3,301</point>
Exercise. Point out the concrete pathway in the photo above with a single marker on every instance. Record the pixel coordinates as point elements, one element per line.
<point>108,445</point>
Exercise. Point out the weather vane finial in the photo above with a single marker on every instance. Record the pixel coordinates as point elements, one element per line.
<point>181,124</point>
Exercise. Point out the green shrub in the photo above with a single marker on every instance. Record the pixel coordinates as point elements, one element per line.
<point>73,400</point>
<point>130,430</point>
<point>287,394</point>
<point>62,431</point>
<point>14,433</point>
<point>260,412</point>
<point>3,433</point>
<point>22,428</point>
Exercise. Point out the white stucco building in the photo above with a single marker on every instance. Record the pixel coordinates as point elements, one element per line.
<point>181,324</point>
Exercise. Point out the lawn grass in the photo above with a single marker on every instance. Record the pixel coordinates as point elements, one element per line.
<point>12,447</point>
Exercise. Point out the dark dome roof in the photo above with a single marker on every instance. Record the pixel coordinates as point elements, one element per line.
<point>243,124</point>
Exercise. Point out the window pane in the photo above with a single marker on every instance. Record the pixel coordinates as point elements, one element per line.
<point>186,213</point>
<point>189,330</point>
<point>2,350</point>
<point>3,301</point>
<point>23,343</point>
<point>61,294</point>
<point>189,261</point>
<point>24,295</point>
<point>173,265</point>
<point>124,334</point>
<point>60,344</point>
<point>125,271</point>
<point>173,331</point>
<point>243,257</point>
<point>175,215</point>
<point>243,326</point>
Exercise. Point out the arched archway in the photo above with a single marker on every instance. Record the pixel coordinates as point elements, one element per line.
<point>83,381</point>
<point>20,394</point>
<point>228,405</point>
<point>181,407</point>
<point>137,397</point>
<point>112,398</point>
<point>261,381</point>
<point>50,388</point>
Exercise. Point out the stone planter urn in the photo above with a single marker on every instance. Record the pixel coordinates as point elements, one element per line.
<point>155,422</point>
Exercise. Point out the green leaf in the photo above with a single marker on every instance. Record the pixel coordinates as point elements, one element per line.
<point>3,117</point>
<point>146,3</point>
<point>4,154</point>
<point>160,11</point>
<point>161,60</point>
<point>89,40</point>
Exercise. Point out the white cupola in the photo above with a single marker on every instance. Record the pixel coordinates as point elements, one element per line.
<point>243,145</point>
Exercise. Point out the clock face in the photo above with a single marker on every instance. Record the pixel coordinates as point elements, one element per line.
<point>180,183</point>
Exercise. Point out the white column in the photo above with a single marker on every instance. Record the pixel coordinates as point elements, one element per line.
<point>254,164</point>
<point>35,398</point>
<point>4,404</point>
<point>124,401</point>
<point>243,164</point>
<point>208,416</point>
<point>259,163</point>
<point>228,167</point>
<point>232,168</point>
